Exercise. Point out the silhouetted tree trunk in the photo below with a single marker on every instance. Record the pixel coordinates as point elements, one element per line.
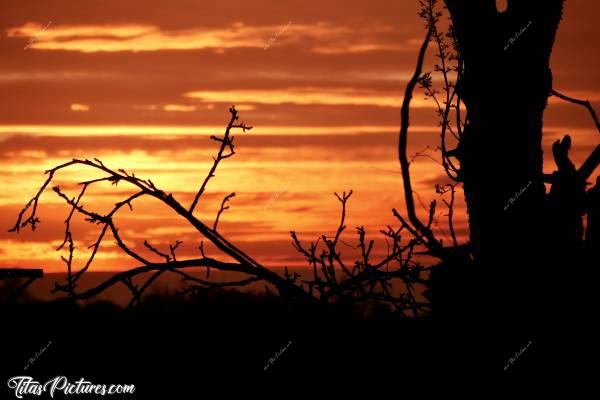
<point>505,87</point>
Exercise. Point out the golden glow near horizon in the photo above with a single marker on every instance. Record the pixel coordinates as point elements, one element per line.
<point>275,193</point>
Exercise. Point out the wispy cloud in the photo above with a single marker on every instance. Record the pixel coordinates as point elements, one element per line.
<point>179,108</point>
<point>307,95</point>
<point>319,37</point>
<point>80,107</point>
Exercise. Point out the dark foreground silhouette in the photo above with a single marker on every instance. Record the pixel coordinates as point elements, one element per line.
<point>174,346</point>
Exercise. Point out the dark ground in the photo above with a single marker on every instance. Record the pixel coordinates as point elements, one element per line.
<point>224,342</point>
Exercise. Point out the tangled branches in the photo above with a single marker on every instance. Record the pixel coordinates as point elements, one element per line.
<point>333,280</point>
<point>450,68</point>
<point>146,188</point>
<point>365,280</point>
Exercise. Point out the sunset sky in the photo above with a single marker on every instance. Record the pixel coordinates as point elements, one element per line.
<point>142,85</point>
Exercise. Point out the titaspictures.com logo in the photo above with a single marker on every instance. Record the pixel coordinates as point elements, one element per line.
<point>26,385</point>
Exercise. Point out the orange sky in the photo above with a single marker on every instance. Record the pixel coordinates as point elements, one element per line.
<point>142,84</point>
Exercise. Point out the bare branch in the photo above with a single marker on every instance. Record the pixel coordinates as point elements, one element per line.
<point>156,251</point>
<point>584,103</point>
<point>226,143</point>
<point>223,208</point>
<point>404,163</point>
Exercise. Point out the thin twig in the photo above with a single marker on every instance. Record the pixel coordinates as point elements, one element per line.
<point>584,103</point>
